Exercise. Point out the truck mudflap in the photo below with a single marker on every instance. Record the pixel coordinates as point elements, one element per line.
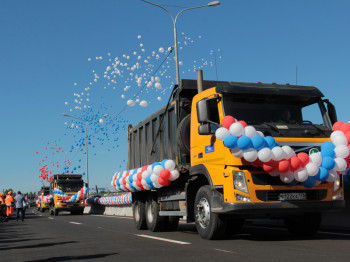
<point>272,209</point>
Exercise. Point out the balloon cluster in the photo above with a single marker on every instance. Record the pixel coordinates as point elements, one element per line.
<point>124,199</point>
<point>47,199</point>
<point>82,194</point>
<point>245,142</point>
<point>154,176</point>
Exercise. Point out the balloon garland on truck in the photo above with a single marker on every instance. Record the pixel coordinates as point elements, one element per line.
<point>124,199</point>
<point>247,143</point>
<point>82,194</point>
<point>157,175</point>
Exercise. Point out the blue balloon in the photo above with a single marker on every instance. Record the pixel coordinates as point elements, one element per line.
<point>328,163</point>
<point>259,142</point>
<point>322,174</point>
<point>131,179</point>
<point>327,145</point>
<point>163,163</point>
<point>293,183</point>
<point>271,142</point>
<point>230,141</point>
<point>155,164</point>
<point>244,143</point>
<point>309,182</point>
<point>328,152</point>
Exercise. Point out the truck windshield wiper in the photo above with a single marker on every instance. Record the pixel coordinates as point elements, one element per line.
<point>272,127</point>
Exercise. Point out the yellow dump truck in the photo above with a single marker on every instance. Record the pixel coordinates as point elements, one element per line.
<point>42,203</point>
<point>216,189</point>
<point>64,189</point>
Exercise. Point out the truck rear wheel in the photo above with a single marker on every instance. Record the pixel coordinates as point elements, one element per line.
<point>154,221</point>
<point>183,134</point>
<point>209,225</point>
<point>139,213</point>
<point>305,225</point>
<point>55,212</point>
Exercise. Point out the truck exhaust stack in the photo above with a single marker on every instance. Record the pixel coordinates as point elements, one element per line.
<point>199,81</point>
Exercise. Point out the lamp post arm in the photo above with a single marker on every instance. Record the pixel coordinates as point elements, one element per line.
<point>162,8</point>
<point>186,9</point>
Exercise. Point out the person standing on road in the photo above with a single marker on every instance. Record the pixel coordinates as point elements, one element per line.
<point>3,205</point>
<point>19,205</point>
<point>9,201</point>
<point>26,205</point>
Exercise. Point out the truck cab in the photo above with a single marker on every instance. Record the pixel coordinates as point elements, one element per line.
<point>43,203</point>
<point>62,187</point>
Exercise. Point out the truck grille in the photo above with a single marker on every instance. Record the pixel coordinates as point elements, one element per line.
<point>268,195</point>
<point>266,179</point>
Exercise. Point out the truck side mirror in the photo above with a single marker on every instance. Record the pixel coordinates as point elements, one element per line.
<point>332,112</point>
<point>202,111</point>
<point>204,129</point>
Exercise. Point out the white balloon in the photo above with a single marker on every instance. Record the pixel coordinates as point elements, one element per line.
<point>157,169</point>
<point>250,131</point>
<point>154,177</point>
<point>301,175</point>
<point>149,169</point>
<point>340,164</point>
<point>174,174</point>
<point>161,50</point>
<point>143,103</point>
<point>237,152</point>
<point>145,174</point>
<point>340,140</point>
<point>265,154</point>
<point>170,164</point>
<point>181,63</point>
<point>332,176</point>
<point>277,153</point>
<point>260,133</point>
<point>336,133</point>
<point>289,152</point>
<point>159,98</point>
<point>287,177</point>
<point>312,169</point>
<point>221,133</point>
<point>156,184</point>
<point>341,151</point>
<point>130,102</point>
<point>237,129</point>
<point>158,85</point>
<point>157,79</point>
<point>250,155</point>
<point>316,158</point>
<point>101,121</point>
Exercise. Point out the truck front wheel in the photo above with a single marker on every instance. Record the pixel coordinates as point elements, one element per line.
<point>154,221</point>
<point>138,210</point>
<point>305,225</point>
<point>209,225</point>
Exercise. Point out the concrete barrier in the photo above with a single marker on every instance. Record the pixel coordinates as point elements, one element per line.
<point>125,210</point>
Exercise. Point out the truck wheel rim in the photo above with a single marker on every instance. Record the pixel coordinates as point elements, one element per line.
<point>149,214</point>
<point>137,213</point>
<point>203,213</point>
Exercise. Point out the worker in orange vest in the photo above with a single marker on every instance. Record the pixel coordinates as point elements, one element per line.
<point>9,201</point>
<point>2,204</point>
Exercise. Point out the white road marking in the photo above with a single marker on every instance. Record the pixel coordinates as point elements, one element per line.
<point>75,223</point>
<point>165,239</point>
<point>50,217</point>
<point>226,251</point>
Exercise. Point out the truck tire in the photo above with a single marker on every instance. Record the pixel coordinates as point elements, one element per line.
<point>305,225</point>
<point>209,225</point>
<point>51,211</point>
<point>42,210</point>
<point>183,134</point>
<point>55,212</point>
<point>154,221</point>
<point>139,213</point>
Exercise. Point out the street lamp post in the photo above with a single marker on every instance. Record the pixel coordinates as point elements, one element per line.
<point>86,142</point>
<point>214,3</point>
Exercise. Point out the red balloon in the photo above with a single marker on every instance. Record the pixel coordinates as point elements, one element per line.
<point>304,159</point>
<point>270,166</point>
<point>163,182</point>
<point>347,159</point>
<point>345,128</point>
<point>144,168</point>
<point>139,176</point>
<point>337,125</point>
<point>165,174</point>
<point>139,184</point>
<point>283,166</point>
<point>243,123</point>
<point>227,121</point>
<point>295,163</point>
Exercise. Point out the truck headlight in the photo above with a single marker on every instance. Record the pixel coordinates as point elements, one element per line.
<point>58,203</point>
<point>337,196</point>
<point>336,184</point>
<point>242,198</point>
<point>239,181</point>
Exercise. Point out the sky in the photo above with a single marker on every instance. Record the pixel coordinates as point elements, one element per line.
<point>87,58</point>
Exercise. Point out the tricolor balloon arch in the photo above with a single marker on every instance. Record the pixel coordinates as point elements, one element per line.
<point>246,142</point>
<point>80,195</point>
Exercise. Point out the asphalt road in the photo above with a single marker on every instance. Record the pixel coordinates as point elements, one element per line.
<point>102,238</point>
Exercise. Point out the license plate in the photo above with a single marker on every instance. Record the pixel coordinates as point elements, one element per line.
<point>292,196</point>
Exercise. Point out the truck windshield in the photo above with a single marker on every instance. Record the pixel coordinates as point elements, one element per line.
<point>70,186</point>
<point>273,111</point>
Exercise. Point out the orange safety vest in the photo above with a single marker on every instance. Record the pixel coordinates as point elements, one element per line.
<point>9,200</point>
